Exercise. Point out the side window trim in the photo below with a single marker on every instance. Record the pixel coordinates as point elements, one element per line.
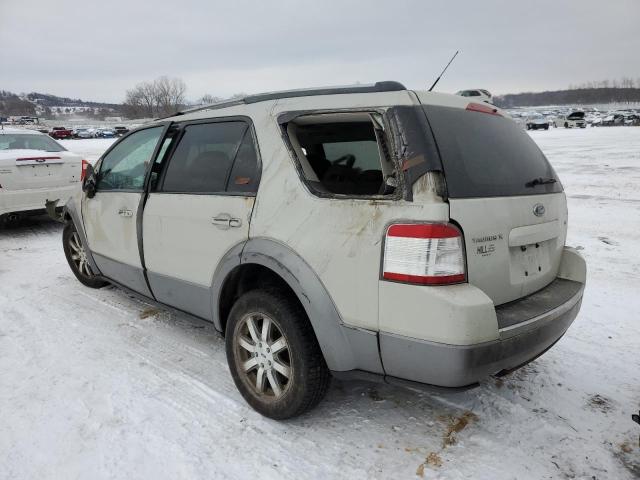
<point>249,129</point>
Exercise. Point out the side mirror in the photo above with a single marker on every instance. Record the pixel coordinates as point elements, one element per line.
<point>89,182</point>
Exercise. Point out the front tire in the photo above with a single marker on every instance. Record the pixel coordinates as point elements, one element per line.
<point>274,357</point>
<point>77,257</point>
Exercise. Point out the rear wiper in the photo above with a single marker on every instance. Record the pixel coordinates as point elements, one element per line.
<point>540,181</point>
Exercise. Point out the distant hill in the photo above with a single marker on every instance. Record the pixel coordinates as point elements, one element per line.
<point>51,106</point>
<point>48,100</point>
<point>569,97</point>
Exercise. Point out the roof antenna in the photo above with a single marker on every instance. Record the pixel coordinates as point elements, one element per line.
<point>445,69</point>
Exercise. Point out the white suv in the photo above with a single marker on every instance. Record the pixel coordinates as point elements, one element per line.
<point>366,231</point>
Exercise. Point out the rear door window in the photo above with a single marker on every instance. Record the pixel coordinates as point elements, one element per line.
<point>213,158</point>
<point>485,155</point>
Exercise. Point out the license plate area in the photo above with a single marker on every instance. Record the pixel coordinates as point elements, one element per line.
<point>529,261</point>
<point>45,170</point>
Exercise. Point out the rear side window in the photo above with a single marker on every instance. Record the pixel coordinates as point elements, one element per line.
<point>211,155</point>
<point>486,155</point>
<point>343,153</point>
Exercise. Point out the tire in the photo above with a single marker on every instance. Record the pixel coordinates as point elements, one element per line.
<point>76,257</point>
<point>566,124</point>
<point>301,377</point>
<point>546,127</point>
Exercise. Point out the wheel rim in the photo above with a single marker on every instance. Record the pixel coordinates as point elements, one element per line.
<point>263,356</point>
<point>78,255</point>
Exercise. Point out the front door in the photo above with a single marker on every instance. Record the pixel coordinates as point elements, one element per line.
<point>110,217</point>
<point>198,209</point>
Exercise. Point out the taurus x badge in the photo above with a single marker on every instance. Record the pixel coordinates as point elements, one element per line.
<point>538,210</point>
<point>40,160</point>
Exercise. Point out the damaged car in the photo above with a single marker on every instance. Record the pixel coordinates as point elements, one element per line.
<point>366,232</point>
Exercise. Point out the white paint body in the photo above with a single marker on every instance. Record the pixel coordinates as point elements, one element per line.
<point>25,185</point>
<point>341,239</point>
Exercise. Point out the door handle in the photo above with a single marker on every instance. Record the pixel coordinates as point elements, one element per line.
<point>226,221</point>
<point>124,212</point>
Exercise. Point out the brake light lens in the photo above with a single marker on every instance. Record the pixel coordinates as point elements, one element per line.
<point>424,254</point>
<point>83,173</point>
<point>483,108</point>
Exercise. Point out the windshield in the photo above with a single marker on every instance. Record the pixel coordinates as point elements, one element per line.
<point>26,141</point>
<point>487,155</point>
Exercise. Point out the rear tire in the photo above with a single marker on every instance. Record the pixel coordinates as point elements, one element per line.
<point>273,355</point>
<point>76,256</point>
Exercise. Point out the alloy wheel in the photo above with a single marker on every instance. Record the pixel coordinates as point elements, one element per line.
<point>79,255</point>
<point>263,356</point>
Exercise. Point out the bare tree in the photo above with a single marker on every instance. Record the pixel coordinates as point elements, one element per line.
<point>162,97</point>
<point>169,94</point>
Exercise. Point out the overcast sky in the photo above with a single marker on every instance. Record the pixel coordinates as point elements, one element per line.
<point>97,50</point>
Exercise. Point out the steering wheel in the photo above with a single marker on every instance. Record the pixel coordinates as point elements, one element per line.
<point>348,159</point>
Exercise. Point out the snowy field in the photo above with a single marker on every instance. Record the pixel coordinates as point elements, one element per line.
<point>96,384</point>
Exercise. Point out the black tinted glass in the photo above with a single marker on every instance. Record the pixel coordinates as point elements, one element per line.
<point>202,160</point>
<point>244,175</point>
<point>486,155</point>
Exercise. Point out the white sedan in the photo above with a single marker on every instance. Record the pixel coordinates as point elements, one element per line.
<point>34,168</point>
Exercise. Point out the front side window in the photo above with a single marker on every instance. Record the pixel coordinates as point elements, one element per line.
<point>124,167</point>
<point>203,160</point>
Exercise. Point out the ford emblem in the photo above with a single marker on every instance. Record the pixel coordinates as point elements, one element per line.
<point>538,210</point>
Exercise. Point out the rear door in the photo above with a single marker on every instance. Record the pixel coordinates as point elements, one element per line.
<point>110,217</point>
<point>198,209</point>
<point>506,198</point>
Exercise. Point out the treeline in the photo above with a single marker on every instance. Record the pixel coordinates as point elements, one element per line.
<point>566,97</point>
<point>161,97</point>
<point>11,104</point>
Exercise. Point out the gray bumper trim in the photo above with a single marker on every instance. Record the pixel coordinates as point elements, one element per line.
<point>460,365</point>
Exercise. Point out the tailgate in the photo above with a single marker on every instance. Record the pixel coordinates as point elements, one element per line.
<point>506,198</point>
<point>511,252</point>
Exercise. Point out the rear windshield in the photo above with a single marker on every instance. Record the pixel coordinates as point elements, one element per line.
<point>487,155</point>
<point>27,141</point>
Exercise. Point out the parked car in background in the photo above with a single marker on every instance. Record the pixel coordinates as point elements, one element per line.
<point>573,120</point>
<point>537,122</point>
<point>477,95</point>
<point>416,264</point>
<point>82,133</point>
<point>104,133</point>
<point>34,168</point>
<point>632,119</point>
<point>120,131</point>
<point>613,120</point>
<point>60,133</point>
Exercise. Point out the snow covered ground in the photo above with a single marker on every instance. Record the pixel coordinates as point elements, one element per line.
<point>96,384</point>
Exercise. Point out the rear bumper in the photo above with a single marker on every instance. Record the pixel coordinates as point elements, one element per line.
<point>19,201</point>
<point>543,321</point>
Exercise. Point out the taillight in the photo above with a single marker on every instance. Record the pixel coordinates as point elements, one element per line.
<point>83,173</point>
<point>425,253</point>
<point>483,108</point>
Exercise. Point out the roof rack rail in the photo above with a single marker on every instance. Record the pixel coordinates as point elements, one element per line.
<point>386,86</point>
